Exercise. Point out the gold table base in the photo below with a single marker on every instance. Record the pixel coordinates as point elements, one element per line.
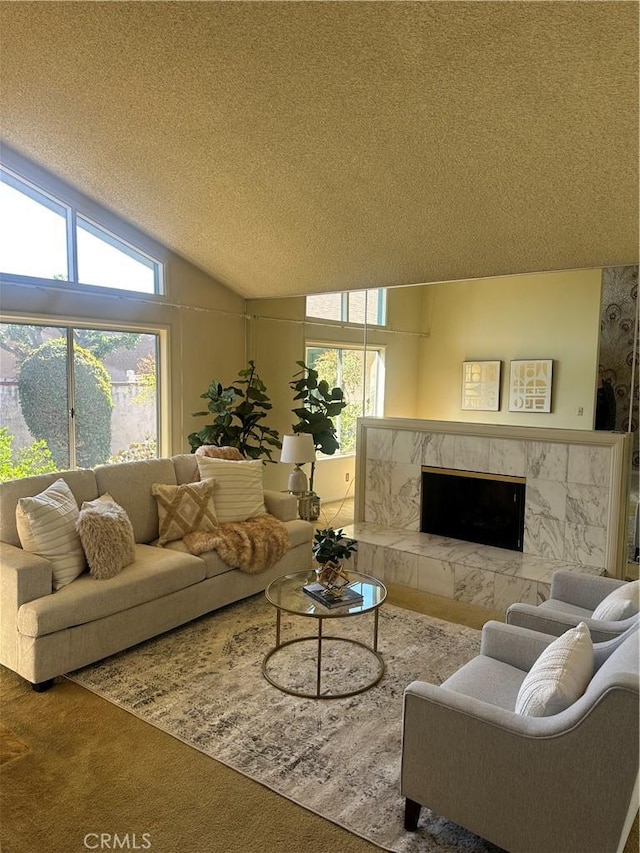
<point>319,640</point>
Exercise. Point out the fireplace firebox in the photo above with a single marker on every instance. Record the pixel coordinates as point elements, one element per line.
<point>473,506</point>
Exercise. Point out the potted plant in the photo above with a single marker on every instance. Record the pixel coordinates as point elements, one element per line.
<point>238,410</point>
<point>330,547</point>
<point>319,404</point>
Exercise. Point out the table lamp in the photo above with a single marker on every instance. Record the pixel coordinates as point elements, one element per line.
<point>298,449</point>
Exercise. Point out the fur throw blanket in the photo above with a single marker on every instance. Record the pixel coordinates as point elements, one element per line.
<point>253,546</point>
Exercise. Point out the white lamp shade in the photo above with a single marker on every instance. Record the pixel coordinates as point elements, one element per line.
<point>298,449</point>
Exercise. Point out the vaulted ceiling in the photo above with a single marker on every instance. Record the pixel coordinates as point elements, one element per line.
<point>298,147</point>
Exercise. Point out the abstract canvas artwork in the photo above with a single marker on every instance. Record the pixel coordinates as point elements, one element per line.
<point>530,385</point>
<point>481,385</point>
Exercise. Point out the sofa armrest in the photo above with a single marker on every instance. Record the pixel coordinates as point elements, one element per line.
<point>556,622</point>
<point>585,591</point>
<point>518,647</point>
<point>281,504</point>
<point>23,577</point>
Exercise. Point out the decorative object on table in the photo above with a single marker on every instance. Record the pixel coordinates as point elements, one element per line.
<point>298,449</point>
<point>481,385</point>
<point>238,410</point>
<point>330,547</point>
<point>319,405</point>
<point>530,385</point>
<point>329,599</point>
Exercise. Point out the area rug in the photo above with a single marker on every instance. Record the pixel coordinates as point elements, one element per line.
<point>340,758</point>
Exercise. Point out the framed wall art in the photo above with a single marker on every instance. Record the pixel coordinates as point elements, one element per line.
<point>481,386</point>
<point>530,385</point>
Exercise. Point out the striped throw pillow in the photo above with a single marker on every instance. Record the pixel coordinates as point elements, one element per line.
<point>559,676</point>
<point>46,526</point>
<point>238,493</point>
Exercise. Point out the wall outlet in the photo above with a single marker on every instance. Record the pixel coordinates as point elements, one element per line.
<point>346,477</point>
<point>579,411</point>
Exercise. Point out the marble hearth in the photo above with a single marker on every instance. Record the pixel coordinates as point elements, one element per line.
<point>575,506</point>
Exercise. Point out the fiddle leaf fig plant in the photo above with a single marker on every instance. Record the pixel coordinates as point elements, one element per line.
<point>238,411</point>
<point>319,405</point>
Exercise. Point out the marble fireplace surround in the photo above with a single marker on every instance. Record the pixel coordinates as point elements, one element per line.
<point>575,506</point>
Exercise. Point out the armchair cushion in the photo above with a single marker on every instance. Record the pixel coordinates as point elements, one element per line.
<point>559,676</point>
<point>619,604</point>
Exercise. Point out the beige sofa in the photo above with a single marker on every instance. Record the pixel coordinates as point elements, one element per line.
<point>44,634</point>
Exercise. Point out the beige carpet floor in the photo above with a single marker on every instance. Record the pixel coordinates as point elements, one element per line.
<point>74,766</point>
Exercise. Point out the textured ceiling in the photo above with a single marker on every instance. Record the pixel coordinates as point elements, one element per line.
<point>294,147</point>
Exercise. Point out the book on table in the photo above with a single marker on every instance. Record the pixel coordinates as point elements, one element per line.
<point>320,593</point>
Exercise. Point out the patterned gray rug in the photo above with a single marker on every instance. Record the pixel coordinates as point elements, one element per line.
<point>339,758</point>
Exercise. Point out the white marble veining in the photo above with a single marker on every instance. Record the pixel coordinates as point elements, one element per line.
<point>547,498</point>
<point>585,544</point>
<point>589,465</point>
<point>379,444</point>
<point>406,446</point>
<point>479,574</point>
<point>587,505</point>
<point>439,450</point>
<point>547,461</point>
<point>544,536</point>
<point>471,453</point>
<point>507,457</point>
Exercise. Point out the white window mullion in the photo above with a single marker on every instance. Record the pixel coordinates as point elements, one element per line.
<point>73,456</point>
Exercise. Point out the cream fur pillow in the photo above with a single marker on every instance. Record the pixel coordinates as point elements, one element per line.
<point>46,525</point>
<point>238,493</point>
<point>107,537</point>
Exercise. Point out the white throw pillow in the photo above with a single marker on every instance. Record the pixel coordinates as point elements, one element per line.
<point>619,604</point>
<point>46,526</point>
<point>559,676</point>
<point>238,493</point>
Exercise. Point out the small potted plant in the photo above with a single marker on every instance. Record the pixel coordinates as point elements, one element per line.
<point>330,547</point>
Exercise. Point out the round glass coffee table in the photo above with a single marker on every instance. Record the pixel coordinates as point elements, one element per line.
<point>286,594</point>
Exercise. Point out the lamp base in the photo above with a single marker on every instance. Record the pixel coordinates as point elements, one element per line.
<point>298,483</point>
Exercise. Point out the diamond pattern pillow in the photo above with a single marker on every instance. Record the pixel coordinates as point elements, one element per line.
<point>46,526</point>
<point>559,676</point>
<point>238,493</point>
<point>184,509</point>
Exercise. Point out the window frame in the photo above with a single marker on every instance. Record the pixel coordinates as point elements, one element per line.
<point>345,319</point>
<point>75,211</point>
<point>379,349</point>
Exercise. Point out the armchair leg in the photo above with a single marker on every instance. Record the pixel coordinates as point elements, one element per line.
<point>41,686</point>
<point>411,814</point>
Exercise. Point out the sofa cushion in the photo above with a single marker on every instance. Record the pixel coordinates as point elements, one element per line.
<point>186,468</point>
<point>238,493</point>
<point>47,526</point>
<point>559,676</point>
<point>156,572</point>
<point>619,604</point>
<point>107,537</point>
<point>130,484</point>
<point>82,484</point>
<point>214,565</point>
<point>184,509</point>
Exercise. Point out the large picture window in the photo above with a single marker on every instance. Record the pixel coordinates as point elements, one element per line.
<point>75,397</point>
<point>360,374</point>
<point>42,237</point>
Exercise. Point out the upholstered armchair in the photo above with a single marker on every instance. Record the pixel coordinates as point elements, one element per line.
<point>566,783</point>
<point>575,598</point>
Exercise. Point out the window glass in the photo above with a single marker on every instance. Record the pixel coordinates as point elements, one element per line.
<point>42,237</point>
<point>33,235</point>
<point>358,373</point>
<point>111,414</point>
<point>353,306</point>
<point>106,261</point>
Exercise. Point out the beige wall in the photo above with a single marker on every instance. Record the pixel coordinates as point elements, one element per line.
<point>546,315</point>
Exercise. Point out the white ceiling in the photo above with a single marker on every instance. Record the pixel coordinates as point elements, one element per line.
<point>288,148</point>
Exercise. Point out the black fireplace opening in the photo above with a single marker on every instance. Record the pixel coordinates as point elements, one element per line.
<point>474,507</point>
